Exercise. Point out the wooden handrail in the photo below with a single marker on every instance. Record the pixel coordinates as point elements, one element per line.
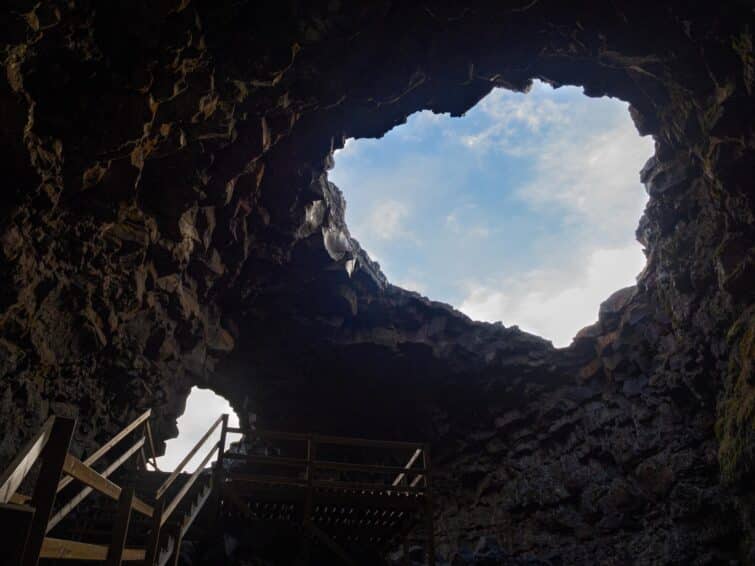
<point>105,448</point>
<point>71,505</point>
<point>271,460</point>
<point>14,475</point>
<point>86,475</point>
<point>187,486</point>
<point>409,464</point>
<point>168,482</point>
<point>350,467</point>
<point>326,439</point>
<point>365,442</point>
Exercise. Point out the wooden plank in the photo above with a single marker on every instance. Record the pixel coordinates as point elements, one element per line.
<point>74,550</point>
<point>366,486</point>
<point>326,439</point>
<point>20,499</point>
<point>409,464</point>
<point>71,504</point>
<point>168,482</point>
<point>273,460</point>
<point>260,478</point>
<point>86,475</point>
<point>187,486</point>
<point>415,481</point>
<point>14,474</point>
<point>15,523</point>
<point>272,434</point>
<point>105,448</point>
<point>120,529</point>
<point>236,430</point>
<point>365,442</point>
<point>45,490</point>
<point>349,467</point>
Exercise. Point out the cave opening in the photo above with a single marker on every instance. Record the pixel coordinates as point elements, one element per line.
<point>523,211</point>
<point>203,407</point>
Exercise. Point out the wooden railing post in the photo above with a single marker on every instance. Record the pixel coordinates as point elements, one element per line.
<point>309,470</point>
<point>54,456</point>
<point>153,541</point>
<point>219,472</point>
<point>151,444</point>
<point>223,433</point>
<point>120,529</point>
<point>429,526</point>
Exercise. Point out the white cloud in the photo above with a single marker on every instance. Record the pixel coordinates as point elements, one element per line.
<point>203,407</point>
<point>554,303</point>
<point>387,219</point>
<point>456,224</point>
<point>509,113</point>
<point>593,177</point>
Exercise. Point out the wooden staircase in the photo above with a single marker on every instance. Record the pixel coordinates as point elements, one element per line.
<point>289,493</point>
<point>139,515</point>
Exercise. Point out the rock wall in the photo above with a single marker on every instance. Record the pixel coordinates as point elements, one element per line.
<point>167,222</point>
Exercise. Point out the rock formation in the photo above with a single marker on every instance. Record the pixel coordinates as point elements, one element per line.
<point>167,221</point>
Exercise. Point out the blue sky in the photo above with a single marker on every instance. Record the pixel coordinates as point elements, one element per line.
<point>522,211</point>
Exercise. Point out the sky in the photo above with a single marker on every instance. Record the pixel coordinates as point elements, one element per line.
<point>203,407</point>
<point>522,211</point>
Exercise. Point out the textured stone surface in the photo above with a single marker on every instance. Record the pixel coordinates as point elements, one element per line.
<point>166,221</point>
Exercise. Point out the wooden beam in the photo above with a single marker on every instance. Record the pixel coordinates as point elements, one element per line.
<point>365,442</point>
<point>270,460</point>
<point>366,486</point>
<point>20,499</point>
<point>15,523</point>
<point>120,529</point>
<point>325,439</point>
<point>13,476</point>
<point>86,475</point>
<point>105,448</point>
<point>167,483</point>
<point>349,467</point>
<point>409,464</point>
<point>45,490</point>
<point>71,504</point>
<point>152,451</point>
<point>74,550</point>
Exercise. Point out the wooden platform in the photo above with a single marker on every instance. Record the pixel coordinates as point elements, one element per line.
<point>319,502</point>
